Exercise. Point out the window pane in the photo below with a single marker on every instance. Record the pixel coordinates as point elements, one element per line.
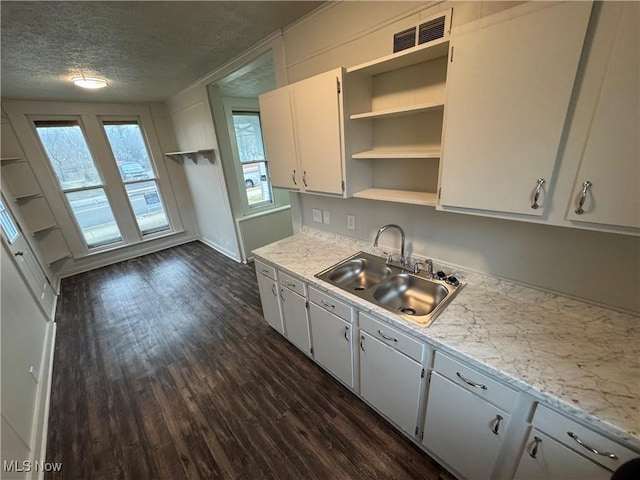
<point>94,216</point>
<point>129,150</point>
<point>147,206</point>
<point>248,136</point>
<point>8,225</point>
<point>256,182</point>
<point>69,155</point>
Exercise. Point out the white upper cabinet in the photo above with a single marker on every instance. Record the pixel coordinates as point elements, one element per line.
<point>277,132</point>
<point>611,160</point>
<point>508,90</point>
<point>302,129</point>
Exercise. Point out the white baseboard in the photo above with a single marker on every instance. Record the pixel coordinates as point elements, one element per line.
<point>224,251</point>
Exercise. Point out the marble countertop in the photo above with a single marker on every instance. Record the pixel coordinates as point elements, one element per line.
<point>578,357</point>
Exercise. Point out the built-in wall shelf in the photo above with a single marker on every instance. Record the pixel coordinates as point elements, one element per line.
<point>25,197</point>
<point>44,229</point>
<point>193,155</point>
<point>405,58</point>
<point>398,111</point>
<point>58,258</point>
<point>11,159</point>
<point>391,154</point>
<point>399,196</point>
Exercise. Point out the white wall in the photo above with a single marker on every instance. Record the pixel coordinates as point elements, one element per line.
<point>571,261</point>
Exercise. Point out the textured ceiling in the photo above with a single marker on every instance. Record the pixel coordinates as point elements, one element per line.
<point>148,51</point>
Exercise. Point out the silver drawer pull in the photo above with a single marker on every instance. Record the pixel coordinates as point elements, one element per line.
<point>536,196</point>
<point>610,455</point>
<point>264,270</point>
<point>496,429</point>
<point>583,197</point>
<point>534,451</point>
<point>346,332</point>
<point>327,305</point>
<point>289,284</point>
<point>387,337</point>
<point>469,382</point>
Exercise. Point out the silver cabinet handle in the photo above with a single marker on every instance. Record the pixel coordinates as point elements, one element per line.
<point>327,305</point>
<point>346,331</point>
<point>293,177</point>
<point>273,290</point>
<point>304,178</point>
<point>362,343</point>
<point>497,427</point>
<point>387,337</point>
<point>536,196</point>
<point>613,456</point>
<point>534,451</point>
<point>289,284</point>
<point>583,197</point>
<point>469,382</point>
<point>282,293</point>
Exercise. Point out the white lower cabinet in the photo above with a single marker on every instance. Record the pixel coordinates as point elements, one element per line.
<point>548,459</point>
<point>390,381</point>
<point>294,315</point>
<point>462,429</point>
<point>332,339</point>
<point>270,304</point>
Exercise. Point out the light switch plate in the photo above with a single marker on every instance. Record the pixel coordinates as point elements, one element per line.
<point>326,217</point>
<point>351,222</point>
<point>317,215</point>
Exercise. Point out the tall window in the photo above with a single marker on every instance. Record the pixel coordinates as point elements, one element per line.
<point>248,135</point>
<point>8,225</point>
<point>137,172</point>
<point>80,181</point>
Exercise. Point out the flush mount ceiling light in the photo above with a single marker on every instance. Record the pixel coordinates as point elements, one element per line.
<point>92,83</point>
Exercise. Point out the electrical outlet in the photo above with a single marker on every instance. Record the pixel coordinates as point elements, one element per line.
<point>317,215</point>
<point>326,217</point>
<point>351,222</point>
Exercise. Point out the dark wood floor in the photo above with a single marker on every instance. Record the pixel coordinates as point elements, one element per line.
<point>165,369</point>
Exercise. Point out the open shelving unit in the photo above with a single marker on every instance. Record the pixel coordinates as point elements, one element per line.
<point>193,155</point>
<point>395,108</point>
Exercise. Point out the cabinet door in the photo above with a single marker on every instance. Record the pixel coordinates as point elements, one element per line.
<point>277,133</point>
<point>548,459</point>
<point>460,428</point>
<point>332,343</point>
<point>294,313</point>
<point>270,304</point>
<point>390,382</point>
<point>317,122</point>
<point>611,160</point>
<point>508,90</point>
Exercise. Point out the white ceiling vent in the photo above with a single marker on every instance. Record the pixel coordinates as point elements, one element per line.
<point>434,29</point>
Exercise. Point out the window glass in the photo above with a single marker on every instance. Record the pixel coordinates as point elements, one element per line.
<point>94,216</point>
<point>255,173</point>
<point>8,225</point>
<point>68,154</point>
<point>147,207</point>
<point>129,150</point>
<point>71,160</point>
<point>136,170</point>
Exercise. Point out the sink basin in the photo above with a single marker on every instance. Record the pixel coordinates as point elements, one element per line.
<point>410,294</point>
<point>358,274</point>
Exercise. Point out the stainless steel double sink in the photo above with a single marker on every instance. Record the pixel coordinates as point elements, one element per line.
<point>411,295</point>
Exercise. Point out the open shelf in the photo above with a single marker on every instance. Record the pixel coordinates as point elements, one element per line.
<point>11,159</point>
<point>390,154</point>
<point>192,155</point>
<point>399,196</point>
<point>27,196</point>
<point>57,258</point>
<point>398,111</point>
<point>44,229</point>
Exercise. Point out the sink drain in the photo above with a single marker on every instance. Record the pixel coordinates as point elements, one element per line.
<point>407,310</point>
<point>359,288</point>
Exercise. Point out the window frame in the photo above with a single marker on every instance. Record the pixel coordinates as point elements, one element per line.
<point>244,105</point>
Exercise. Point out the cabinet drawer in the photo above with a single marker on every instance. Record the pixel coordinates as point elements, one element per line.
<point>559,427</point>
<point>479,383</point>
<point>402,342</point>
<point>265,269</point>
<point>291,283</point>
<point>330,304</point>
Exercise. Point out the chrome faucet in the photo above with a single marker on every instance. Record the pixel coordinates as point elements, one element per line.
<point>397,227</point>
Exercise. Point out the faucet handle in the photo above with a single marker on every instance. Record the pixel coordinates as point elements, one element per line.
<point>389,258</point>
<point>416,267</point>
